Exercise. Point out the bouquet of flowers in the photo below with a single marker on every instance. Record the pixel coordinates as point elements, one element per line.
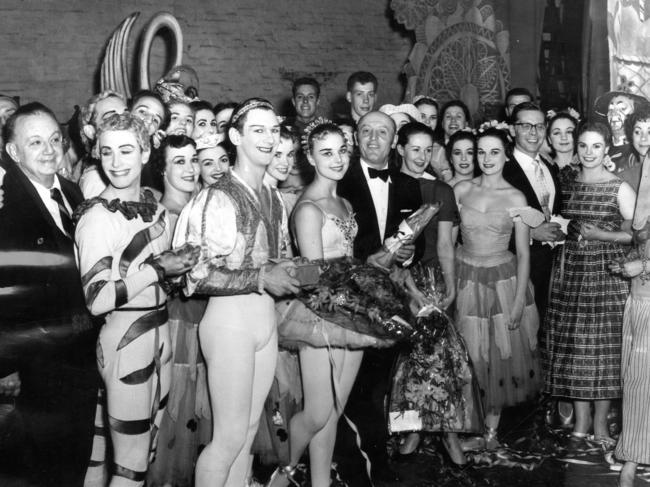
<point>354,305</point>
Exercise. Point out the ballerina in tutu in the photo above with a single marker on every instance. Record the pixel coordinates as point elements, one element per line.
<point>324,228</point>
<point>495,311</point>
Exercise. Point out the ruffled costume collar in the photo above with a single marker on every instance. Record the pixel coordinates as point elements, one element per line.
<point>145,208</point>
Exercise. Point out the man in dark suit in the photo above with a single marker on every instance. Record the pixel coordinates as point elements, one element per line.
<point>46,337</point>
<point>537,179</point>
<point>368,186</point>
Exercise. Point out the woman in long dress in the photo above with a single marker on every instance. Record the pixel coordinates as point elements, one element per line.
<point>117,235</point>
<point>239,225</point>
<point>634,443</point>
<point>325,229</point>
<point>585,311</point>
<point>495,310</point>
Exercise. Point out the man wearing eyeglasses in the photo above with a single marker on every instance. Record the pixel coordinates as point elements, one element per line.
<point>537,179</point>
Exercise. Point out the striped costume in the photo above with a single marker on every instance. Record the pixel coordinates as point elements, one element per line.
<point>585,312</point>
<point>133,350</point>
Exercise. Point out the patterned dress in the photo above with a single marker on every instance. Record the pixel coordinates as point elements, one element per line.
<point>113,240</point>
<point>585,312</point>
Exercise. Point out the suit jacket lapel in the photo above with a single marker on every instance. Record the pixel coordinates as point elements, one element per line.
<point>515,175</point>
<point>365,202</point>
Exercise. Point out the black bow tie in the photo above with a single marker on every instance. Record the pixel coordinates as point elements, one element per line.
<point>378,173</point>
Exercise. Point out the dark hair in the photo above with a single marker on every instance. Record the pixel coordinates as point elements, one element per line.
<point>527,106</point>
<point>598,127</point>
<point>151,94</point>
<point>641,113</point>
<point>159,162</point>
<point>519,91</point>
<point>440,132</point>
<point>426,100</point>
<point>502,135</point>
<point>458,136</point>
<point>305,81</point>
<point>240,114</point>
<point>228,148</point>
<point>410,129</point>
<point>33,108</point>
<point>362,77</point>
<point>549,124</point>
<point>320,131</point>
<point>219,107</point>
<point>288,132</point>
<point>200,105</point>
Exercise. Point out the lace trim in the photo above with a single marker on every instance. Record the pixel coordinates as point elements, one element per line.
<point>145,208</point>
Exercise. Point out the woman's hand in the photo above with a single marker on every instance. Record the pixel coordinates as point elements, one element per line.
<point>629,269</point>
<point>589,231</point>
<point>448,299</point>
<point>516,313</point>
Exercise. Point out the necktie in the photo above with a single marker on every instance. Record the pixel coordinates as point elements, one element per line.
<point>66,220</point>
<point>544,195</point>
<point>378,173</point>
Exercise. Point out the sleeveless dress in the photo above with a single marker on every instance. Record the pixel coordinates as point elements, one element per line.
<point>506,362</point>
<point>585,311</point>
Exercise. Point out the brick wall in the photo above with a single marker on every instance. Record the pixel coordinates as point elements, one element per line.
<point>51,49</point>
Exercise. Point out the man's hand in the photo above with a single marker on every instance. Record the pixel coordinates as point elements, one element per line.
<point>10,385</point>
<point>177,262</point>
<point>279,280</point>
<point>548,232</point>
<point>405,252</point>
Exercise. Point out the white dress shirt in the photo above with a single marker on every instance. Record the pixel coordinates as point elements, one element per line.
<point>51,205</point>
<point>528,165</point>
<point>379,192</point>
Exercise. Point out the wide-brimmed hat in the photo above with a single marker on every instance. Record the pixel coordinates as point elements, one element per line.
<point>602,102</point>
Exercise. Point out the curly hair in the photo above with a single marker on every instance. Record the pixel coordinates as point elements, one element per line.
<point>123,121</point>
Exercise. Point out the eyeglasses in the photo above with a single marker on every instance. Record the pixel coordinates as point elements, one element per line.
<point>528,127</point>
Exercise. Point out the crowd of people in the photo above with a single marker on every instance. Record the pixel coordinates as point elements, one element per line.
<point>153,247</point>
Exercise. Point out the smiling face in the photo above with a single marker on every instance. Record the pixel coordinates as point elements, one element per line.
<point>641,136</point>
<point>259,137</point>
<point>329,156</point>
<point>375,134</point>
<point>151,112</point>
<point>205,123</point>
<point>37,147</point>
<point>213,163</point>
<point>305,101</point>
<point>222,118</point>
<point>181,119</point>
<point>181,168</point>
<point>592,149</point>
<point>453,120</point>
<point>529,140</point>
<point>121,158</point>
<point>429,115</point>
<point>283,162</point>
<point>491,155</point>
<point>416,154</point>
<point>560,135</point>
<point>462,157</point>
<point>362,98</point>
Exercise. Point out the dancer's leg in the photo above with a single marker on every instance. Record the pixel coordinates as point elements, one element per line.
<point>321,447</point>
<point>230,362</point>
<point>601,410</point>
<point>582,411</point>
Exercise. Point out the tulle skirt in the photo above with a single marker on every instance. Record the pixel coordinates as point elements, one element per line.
<point>506,362</point>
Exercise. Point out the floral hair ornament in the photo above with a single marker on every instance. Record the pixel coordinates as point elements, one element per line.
<point>251,105</point>
<point>493,124</point>
<point>569,111</point>
<point>417,98</point>
<point>209,141</point>
<point>304,140</point>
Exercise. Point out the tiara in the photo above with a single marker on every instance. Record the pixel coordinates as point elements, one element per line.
<point>569,111</point>
<point>248,107</point>
<point>304,140</point>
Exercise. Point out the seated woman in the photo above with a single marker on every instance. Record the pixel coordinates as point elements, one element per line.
<point>240,225</point>
<point>117,236</point>
<point>460,153</point>
<point>495,310</point>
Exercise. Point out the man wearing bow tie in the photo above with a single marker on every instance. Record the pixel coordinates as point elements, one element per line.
<point>368,186</point>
